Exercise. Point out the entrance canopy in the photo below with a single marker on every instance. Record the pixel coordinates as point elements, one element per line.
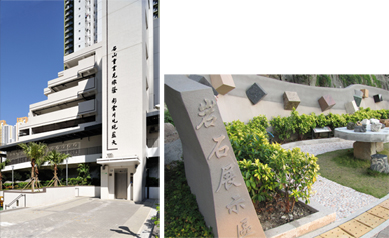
<point>119,161</point>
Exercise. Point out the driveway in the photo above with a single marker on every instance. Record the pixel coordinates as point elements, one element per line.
<point>80,217</point>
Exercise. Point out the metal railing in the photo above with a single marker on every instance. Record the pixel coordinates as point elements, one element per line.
<point>17,199</point>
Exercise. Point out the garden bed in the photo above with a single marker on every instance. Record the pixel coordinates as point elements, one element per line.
<point>272,214</point>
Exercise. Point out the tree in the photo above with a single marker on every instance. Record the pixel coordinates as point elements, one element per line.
<point>55,158</point>
<point>36,152</point>
<point>2,166</point>
<point>83,174</point>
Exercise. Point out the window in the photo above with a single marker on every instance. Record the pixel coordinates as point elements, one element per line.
<point>79,46</point>
<point>79,15</point>
<point>79,38</point>
<point>79,23</point>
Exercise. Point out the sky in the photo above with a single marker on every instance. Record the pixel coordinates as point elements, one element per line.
<point>31,53</point>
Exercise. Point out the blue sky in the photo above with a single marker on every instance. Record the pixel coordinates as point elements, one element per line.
<point>31,53</point>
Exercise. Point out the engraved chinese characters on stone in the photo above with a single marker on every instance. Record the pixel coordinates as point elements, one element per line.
<point>205,110</point>
<point>235,204</point>
<point>219,151</point>
<point>227,178</point>
<point>244,229</point>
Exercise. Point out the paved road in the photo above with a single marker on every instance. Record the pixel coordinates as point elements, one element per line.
<point>79,217</point>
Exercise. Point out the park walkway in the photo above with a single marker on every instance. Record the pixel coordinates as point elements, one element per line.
<point>80,217</point>
<point>358,214</point>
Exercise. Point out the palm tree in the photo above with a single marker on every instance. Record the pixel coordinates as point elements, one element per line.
<point>2,166</point>
<point>36,153</point>
<point>56,158</point>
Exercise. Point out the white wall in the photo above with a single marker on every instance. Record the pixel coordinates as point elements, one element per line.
<point>154,193</point>
<point>51,196</point>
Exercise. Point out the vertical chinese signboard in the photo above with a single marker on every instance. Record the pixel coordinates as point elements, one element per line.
<point>113,102</point>
<point>210,164</point>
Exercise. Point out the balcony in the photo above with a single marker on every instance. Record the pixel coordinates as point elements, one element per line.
<point>68,35</point>
<point>68,18</point>
<point>68,12</point>
<point>68,46</point>
<point>85,67</point>
<point>85,108</point>
<point>55,98</point>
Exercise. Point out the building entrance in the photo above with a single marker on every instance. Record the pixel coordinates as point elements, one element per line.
<point>121,184</point>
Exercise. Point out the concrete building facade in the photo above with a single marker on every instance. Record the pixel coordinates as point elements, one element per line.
<point>103,108</point>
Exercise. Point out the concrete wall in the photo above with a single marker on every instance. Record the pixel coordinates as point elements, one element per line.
<point>49,195</point>
<point>236,106</point>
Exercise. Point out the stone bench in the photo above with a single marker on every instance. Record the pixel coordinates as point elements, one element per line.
<point>379,162</point>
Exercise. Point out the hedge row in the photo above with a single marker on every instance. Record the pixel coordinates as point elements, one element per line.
<point>269,169</point>
<point>284,127</point>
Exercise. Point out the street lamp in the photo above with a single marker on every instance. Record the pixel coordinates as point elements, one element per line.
<point>12,177</point>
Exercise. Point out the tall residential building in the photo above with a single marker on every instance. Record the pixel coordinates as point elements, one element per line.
<point>83,24</point>
<point>103,108</point>
<point>2,123</point>
<point>19,121</point>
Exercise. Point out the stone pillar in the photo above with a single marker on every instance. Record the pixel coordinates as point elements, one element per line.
<point>211,168</point>
<point>364,150</point>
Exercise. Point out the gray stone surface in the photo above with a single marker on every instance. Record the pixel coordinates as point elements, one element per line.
<point>291,100</point>
<point>377,98</point>
<point>202,80</point>
<point>360,128</point>
<point>351,107</point>
<point>364,150</point>
<point>385,122</point>
<point>79,217</point>
<point>210,164</point>
<point>173,151</point>
<point>326,102</point>
<point>358,100</point>
<point>376,127</point>
<point>358,93</point>
<point>379,162</point>
<point>255,93</point>
<point>350,126</point>
<point>381,136</point>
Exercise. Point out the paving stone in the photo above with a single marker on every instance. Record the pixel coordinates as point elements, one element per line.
<point>291,100</point>
<point>380,212</point>
<point>385,204</point>
<point>377,98</point>
<point>370,220</point>
<point>355,228</point>
<point>365,93</point>
<point>358,100</point>
<point>351,107</point>
<point>326,102</point>
<point>336,232</point>
<point>255,93</point>
<point>223,83</point>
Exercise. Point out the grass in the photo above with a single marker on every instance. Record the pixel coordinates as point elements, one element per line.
<point>341,167</point>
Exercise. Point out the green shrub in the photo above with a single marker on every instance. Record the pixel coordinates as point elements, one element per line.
<point>282,127</point>
<point>301,124</point>
<point>168,118</point>
<point>182,216</point>
<point>320,120</point>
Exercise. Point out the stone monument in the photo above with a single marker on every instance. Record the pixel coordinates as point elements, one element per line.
<point>351,107</point>
<point>210,164</point>
<point>377,98</point>
<point>365,93</point>
<point>202,80</point>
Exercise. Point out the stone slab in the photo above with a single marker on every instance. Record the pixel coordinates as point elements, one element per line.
<point>377,98</point>
<point>351,107</point>
<point>370,220</point>
<point>326,102</point>
<point>255,93</point>
<point>368,136</point>
<point>202,80</point>
<point>291,100</point>
<point>336,232</point>
<point>380,212</point>
<point>358,100</point>
<point>355,228</point>
<point>365,93</point>
<point>211,168</point>
<point>223,83</point>
<point>358,93</point>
